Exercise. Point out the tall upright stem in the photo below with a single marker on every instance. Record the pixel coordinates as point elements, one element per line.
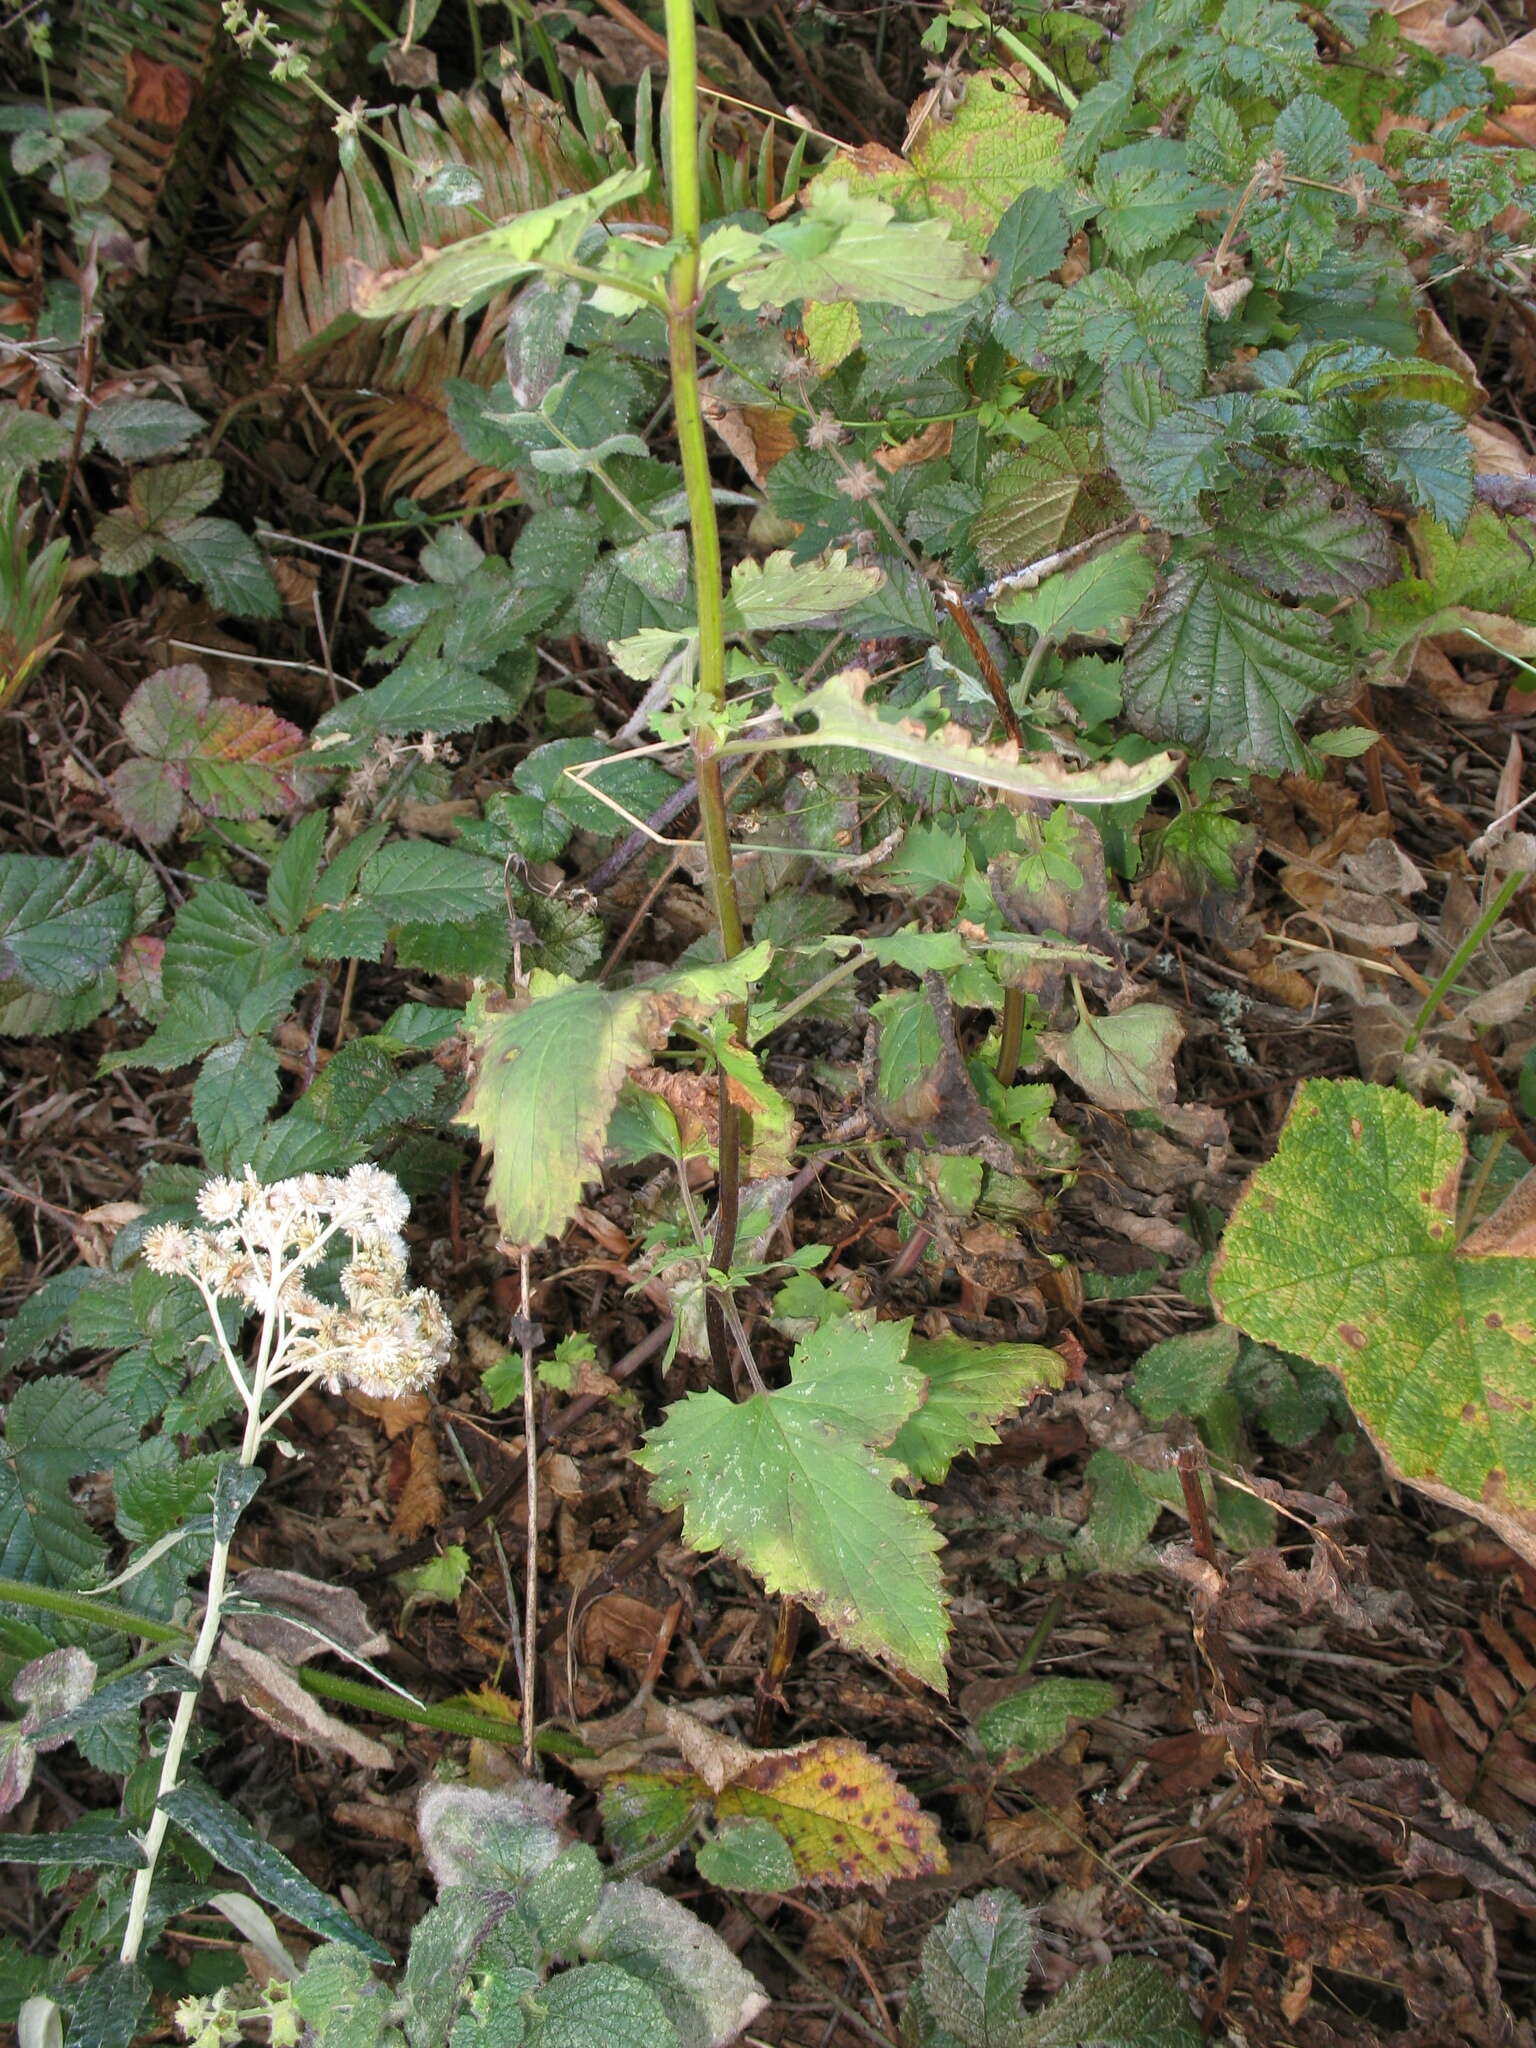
<point>709,600</point>
<point>693,446</point>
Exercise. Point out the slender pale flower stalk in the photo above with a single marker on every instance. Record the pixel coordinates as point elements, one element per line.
<point>259,1246</point>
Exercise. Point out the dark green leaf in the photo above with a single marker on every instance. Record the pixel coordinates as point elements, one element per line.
<point>215,1826</point>
<point>1218,666</point>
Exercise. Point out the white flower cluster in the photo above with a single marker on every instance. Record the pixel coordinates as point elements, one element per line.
<point>262,1242</point>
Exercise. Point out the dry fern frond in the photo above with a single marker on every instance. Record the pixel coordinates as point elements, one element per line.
<point>1482,1737</point>
<point>385,386</point>
<point>177,86</point>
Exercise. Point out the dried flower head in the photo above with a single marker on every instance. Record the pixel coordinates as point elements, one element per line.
<point>262,1241</point>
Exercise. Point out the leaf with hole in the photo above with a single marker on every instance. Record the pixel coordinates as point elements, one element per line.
<point>845,719</point>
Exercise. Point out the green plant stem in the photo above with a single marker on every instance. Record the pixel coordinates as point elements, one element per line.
<point>1462,955</point>
<point>1474,1199</point>
<point>81,1607</point>
<point>709,599</point>
<point>389,1706</point>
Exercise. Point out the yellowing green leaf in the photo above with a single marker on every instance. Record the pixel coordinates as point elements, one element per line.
<point>1121,1062</point>
<point>970,1387</point>
<point>970,168</point>
<point>843,719</point>
<point>832,333</point>
<point>549,1071</point>
<point>1343,1249</point>
<point>781,593</point>
<point>792,1484</point>
<point>845,1816</point>
<point>481,264</point>
<point>848,245</point>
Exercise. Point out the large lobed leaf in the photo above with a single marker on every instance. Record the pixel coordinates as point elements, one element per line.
<point>794,1485</point>
<point>970,168</point>
<point>1343,1248</point>
<point>549,1071</point>
<point>849,245</point>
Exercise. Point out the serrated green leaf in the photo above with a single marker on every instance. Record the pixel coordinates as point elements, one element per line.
<point>843,719</point>
<point>848,244</point>
<point>137,429</point>
<point>751,1856</point>
<point>976,1969</point>
<point>548,1074</point>
<point>1423,449</point>
<point>166,496</point>
<point>215,1826</point>
<point>970,1387</point>
<point>792,1483</point>
<point>1050,496</point>
<point>1307,537</point>
<point>44,1313</point>
<point>56,1428</point>
<point>295,871</point>
<point>338,1993</point>
<point>598,2003</point>
<point>1033,1722</point>
<point>1183,1375</point>
<point>1154,318</point>
<point>62,923</point>
<point>970,168</point>
<point>1147,197</point>
<point>1122,1515</point>
<point>1217,666</point>
<point>415,881</point>
<point>108,2007</point>
<point>238,1084</point>
<point>1096,600</point>
<point>1128,2003</point>
<point>1343,1249</point>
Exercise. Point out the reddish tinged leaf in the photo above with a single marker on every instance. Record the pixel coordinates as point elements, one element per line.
<point>228,759</point>
<point>846,1817</point>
